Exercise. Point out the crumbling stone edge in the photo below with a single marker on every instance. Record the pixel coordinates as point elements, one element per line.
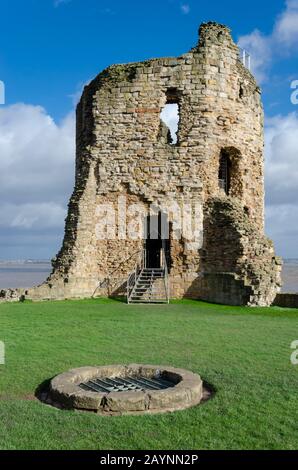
<point>65,392</point>
<point>13,295</point>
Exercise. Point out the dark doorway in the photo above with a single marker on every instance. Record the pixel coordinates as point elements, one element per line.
<point>153,253</point>
<point>156,240</point>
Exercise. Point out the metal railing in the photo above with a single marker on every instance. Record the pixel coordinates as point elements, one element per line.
<point>166,274</point>
<point>134,275</point>
<point>131,282</point>
<point>106,281</point>
<point>245,58</point>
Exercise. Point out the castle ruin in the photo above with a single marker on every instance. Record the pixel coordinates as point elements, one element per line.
<point>126,153</point>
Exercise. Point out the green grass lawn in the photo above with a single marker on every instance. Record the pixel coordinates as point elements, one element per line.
<point>244,353</point>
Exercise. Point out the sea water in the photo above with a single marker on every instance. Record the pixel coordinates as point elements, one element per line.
<point>32,273</point>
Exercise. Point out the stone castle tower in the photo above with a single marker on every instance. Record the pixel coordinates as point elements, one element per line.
<point>126,158</point>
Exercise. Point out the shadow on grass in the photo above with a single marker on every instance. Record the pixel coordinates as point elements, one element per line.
<point>43,394</point>
<point>43,388</point>
<point>209,391</point>
<point>119,299</point>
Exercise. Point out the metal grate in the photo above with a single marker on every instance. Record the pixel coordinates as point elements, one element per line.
<point>126,384</point>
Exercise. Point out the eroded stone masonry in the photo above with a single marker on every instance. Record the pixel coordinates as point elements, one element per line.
<point>124,149</point>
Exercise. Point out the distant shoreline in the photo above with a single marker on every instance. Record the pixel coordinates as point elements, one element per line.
<point>24,261</point>
<point>48,261</point>
<point>28,273</point>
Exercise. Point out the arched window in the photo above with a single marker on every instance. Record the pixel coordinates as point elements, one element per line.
<point>224,174</point>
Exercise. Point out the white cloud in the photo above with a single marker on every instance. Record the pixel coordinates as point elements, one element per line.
<point>57,3</point>
<point>185,8</point>
<point>281,227</point>
<point>107,11</point>
<point>282,41</point>
<point>281,138</point>
<point>32,216</point>
<point>36,154</point>
<point>281,181</point>
<point>281,133</point>
<point>286,28</point>
<point>37,160</point>
<point>260,50</point>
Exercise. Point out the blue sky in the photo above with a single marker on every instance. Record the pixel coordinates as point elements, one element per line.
<point>48,51</point>
<point>50,48</point>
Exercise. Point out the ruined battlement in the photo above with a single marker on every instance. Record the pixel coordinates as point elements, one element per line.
<point>125,150</point>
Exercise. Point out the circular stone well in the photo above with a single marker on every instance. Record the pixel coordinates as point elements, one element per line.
<point>120,389</point>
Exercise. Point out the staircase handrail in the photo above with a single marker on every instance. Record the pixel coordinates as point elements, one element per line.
<point>166,273</point>
<point>134,275</point>
<point>131,283</point>
<point>107,278</point>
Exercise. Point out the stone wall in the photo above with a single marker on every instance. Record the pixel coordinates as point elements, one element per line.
<point>239,266</point>
<point>12,295</point>
<point>123,149</point>
<point>286,300</point>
